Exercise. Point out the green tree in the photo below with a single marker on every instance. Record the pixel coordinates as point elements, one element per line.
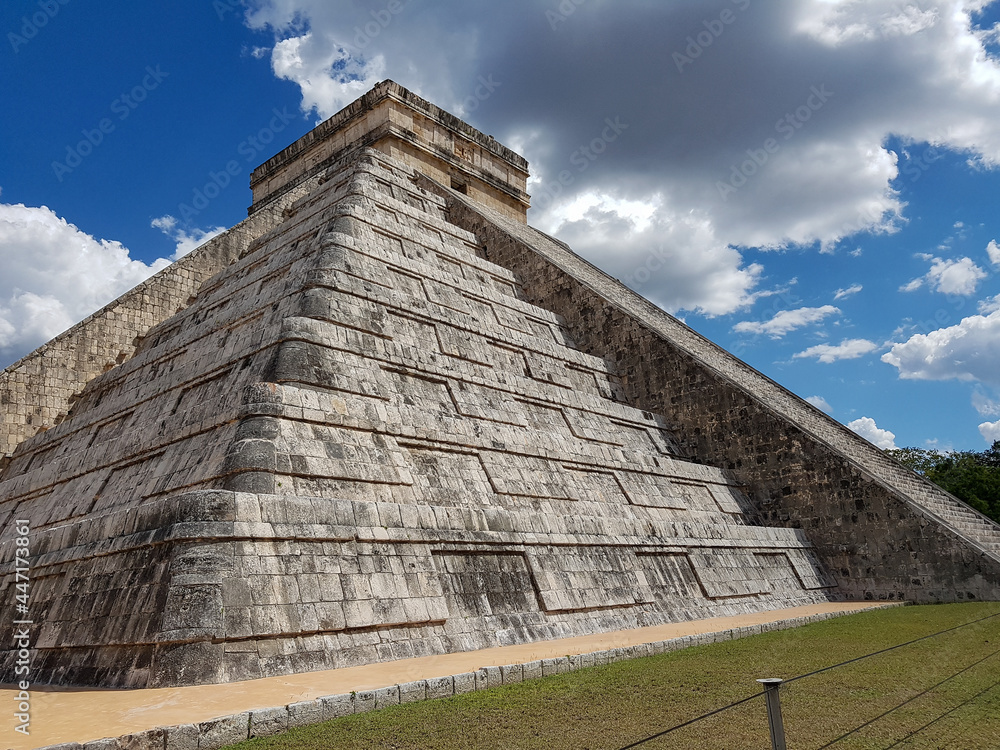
<point>969,476</point>
<point>918,459</point>
<point>991,456</point>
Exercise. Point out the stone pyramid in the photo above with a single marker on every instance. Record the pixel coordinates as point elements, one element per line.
<point>385,418</point>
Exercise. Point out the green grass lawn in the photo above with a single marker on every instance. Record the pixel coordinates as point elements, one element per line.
<point>604,708</point>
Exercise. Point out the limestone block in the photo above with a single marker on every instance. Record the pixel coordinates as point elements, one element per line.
<point>194,609</point>
<point>488,677</point>
<point>440,687</point>
<point>268,721</point>
<point>531,670</point>
<point>304,713</point>
<point>337,706</point>
<point>555,666</point>
<point>108,743</point>
<point>511,674</point>
<point>227,730</point>
<point>364,701</point>
<point>411,692</point>
<point>189,663</point>
<point>182,737</point>
<point>388,696</point>
<point>152,739</point>
<point>465,682</point>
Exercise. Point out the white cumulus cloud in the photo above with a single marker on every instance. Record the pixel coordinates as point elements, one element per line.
<point>990,431</point>
<point>967,351</point>
<point>989,305</point>
<point>328,74</point>
<point>786,321</point>
<point>986,406</point>
<point>843,22</point>
<point>866,428</point>
<point>847,349</point>
<point>186,240</point>
<point>55,275</point>
<point>993,250</point>
<point>959,277</point>
<point>676,260</point>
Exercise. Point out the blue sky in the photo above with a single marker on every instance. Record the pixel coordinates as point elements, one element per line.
<point>810,183</point>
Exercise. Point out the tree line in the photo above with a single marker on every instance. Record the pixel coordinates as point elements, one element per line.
<point>969,476</point>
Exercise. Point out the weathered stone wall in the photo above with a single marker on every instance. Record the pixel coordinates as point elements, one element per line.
<point>218,586</point>
<point>361,443</point>
<point>884,531</point>
<point>36,391</point>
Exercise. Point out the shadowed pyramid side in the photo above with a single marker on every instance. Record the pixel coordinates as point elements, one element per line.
<point>887,532</point>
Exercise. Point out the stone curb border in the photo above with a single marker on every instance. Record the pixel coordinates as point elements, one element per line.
<point>264,722</point>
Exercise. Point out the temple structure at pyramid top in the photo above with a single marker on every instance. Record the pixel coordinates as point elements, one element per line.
<point>383,417</point>
<point>414,132</point>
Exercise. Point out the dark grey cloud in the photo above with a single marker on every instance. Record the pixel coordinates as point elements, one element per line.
<point>739,123</point>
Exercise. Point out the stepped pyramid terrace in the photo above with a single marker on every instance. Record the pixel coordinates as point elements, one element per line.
<point>383,417</point>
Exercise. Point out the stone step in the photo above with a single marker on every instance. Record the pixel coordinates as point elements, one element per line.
<point>980,531</point>
<point>973,524</point>
<point>973,527</point>
<point>966,515</point>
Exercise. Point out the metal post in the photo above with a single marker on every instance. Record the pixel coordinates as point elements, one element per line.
<point>771,685</point>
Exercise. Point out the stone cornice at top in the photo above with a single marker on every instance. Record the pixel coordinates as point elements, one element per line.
<point>380,91</point>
